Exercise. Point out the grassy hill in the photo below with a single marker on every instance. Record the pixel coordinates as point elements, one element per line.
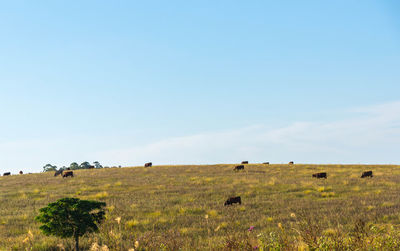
<point>181,207</point>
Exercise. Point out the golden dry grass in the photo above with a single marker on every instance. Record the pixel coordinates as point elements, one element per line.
<point>181,207</point>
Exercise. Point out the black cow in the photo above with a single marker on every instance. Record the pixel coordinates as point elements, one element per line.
<point>238,168</point>
<point>6,174</point>
<point>367,174</point>
<point>90,167</point>
<point>67,174</point>
<point>233,200</point>
<point>319,175</point>
<point>149,164</point>
<point>58,172</point>
<point>20,172</point>
<point>244,162</point>
<point>266,163</point>
<point>291,163</point>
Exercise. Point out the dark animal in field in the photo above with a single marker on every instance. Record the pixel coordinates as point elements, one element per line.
<point>6,174</point>
<point>291,163</point>
<point>238,168</point>
<point>319,175</point>
<point>266,163</point>
<point>233,200</point>
<point>91,167</point>
<point>245,162</point>
<point>367,174</point>
<point>58,172</point>
<point>20,172</point>
<point>149,164</point>
<point>67,174</point>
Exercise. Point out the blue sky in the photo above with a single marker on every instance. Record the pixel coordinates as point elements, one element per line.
<point>179,82</point>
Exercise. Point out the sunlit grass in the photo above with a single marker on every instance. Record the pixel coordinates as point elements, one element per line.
<point>167,205</point>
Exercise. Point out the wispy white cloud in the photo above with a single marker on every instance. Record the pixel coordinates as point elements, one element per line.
<point>371,135</point>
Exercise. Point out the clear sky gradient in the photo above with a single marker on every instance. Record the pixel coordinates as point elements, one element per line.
<point>181,82</point>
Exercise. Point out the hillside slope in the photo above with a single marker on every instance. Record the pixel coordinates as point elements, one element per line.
<point>182,206</point>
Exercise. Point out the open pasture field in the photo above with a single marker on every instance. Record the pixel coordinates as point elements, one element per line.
<point>182,207</point>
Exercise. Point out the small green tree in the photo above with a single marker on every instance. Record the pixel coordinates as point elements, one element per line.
<point>84,165</point>
<point>49,167</point>
<point>97,164</point>
<point>71,217</point>
<point>74,166</point>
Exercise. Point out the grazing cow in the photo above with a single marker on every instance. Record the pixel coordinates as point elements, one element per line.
<point>245,162</point>
<point>91,167</point>
<point>238,168</point>
<point>149,164</point>
<point>319,175</point>
<point>367,174</point>
<point>233,200</point>
<point>291,163</point>
<point>20,172</point>
<point>58,172</point>
<point>67,174</point>
<point>6,174</point>
<point>266,163</point>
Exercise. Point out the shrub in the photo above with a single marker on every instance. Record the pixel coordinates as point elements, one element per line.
<point>71,217</point>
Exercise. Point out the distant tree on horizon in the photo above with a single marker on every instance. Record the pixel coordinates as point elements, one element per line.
<point>84,165</point>
<point>97,164</point>
<point>74,166</point>
<point>49,167</point>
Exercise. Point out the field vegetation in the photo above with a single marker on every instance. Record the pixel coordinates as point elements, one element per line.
<point>182,208</point>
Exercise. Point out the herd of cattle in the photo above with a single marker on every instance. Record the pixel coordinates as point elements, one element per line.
<point>8,173</point>
<point>233,200</point>
<point>230,201</point>
<point>315,175</point>
<point>70,173</point>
